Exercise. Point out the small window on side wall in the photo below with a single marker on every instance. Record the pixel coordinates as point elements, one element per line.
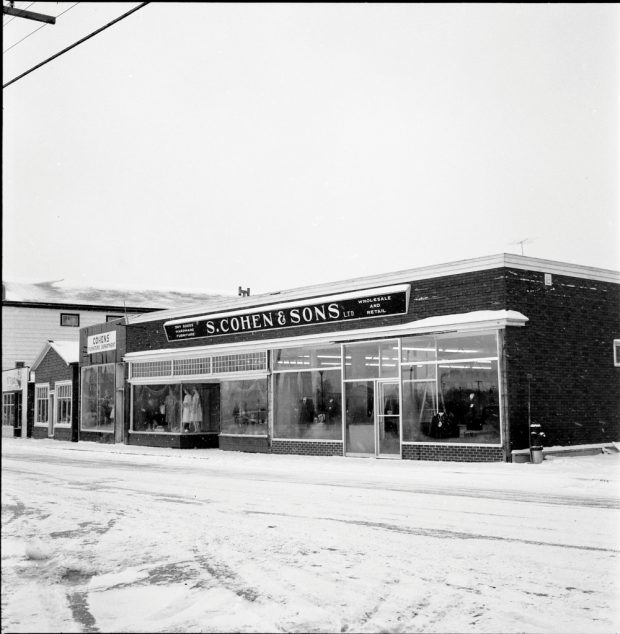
<point>617,353</point>
<point>109,318</point>
<point>72,320</point>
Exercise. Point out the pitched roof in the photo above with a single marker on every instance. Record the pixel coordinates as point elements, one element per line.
<point>60,292</point>
<point>68,351</point>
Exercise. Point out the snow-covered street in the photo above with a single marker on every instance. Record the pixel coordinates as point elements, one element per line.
<point>114,538</point>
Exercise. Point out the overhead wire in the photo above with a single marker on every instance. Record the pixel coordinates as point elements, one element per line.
<point>37,29</point>
<point>65,50</point>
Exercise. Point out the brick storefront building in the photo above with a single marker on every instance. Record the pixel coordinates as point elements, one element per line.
<point>449,362</point>
<point>55,374</point>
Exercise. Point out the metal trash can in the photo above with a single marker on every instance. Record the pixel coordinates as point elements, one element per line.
<point>536,455</point>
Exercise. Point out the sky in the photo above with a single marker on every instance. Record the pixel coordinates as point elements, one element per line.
<point>224,541</point>
<point>273,146</point>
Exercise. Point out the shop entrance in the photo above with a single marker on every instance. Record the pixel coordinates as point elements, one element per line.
<point>373,418</point>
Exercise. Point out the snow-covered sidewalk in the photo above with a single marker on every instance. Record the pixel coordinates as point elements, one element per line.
<point>120,538</point>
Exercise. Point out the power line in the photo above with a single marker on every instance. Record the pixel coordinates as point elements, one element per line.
<point>11,19</point>
<point>49,59</point>
<point>33,32</point>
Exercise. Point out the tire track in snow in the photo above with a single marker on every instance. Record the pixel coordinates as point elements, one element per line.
<point>438,532</point>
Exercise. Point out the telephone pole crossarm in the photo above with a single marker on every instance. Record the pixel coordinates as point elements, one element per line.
<point>30,15</point>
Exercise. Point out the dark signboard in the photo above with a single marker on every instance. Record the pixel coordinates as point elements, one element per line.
<point>329,310</point>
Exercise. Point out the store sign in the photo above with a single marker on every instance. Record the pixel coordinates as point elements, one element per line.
<point>380,302</point>
<point>101,343</point>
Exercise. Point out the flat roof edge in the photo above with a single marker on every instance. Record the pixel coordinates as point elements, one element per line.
<point>503,260</point>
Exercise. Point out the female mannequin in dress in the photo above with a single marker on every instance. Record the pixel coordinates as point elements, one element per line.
<point>196,409</point>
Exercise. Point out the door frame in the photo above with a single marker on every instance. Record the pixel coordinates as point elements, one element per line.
<point>377,419</point>
<point>379,383</point>
<point>51,413</point>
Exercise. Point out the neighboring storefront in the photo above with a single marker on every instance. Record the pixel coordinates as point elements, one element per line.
<point>446,363</point>
<point>55,375</point>
<point>102,383</point>
<point>15,402</point>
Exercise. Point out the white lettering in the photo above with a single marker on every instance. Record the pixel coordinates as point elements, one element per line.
<point>334,311</point>
<point>295,318</point>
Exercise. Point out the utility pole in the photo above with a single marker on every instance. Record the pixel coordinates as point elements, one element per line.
<point>29,15</point>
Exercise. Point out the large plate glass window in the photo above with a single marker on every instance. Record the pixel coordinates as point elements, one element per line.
<point>308,393</point>
<point>244,407</point>
<point>189,408</point>
<point>451,388</point>
<point>98,398</point>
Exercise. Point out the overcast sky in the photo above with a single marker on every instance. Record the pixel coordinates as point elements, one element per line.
<point>207,146</point>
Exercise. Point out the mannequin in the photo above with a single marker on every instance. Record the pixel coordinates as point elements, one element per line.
<point>195,409</point>
<point>187,406</point>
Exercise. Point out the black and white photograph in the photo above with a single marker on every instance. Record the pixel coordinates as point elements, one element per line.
<point>310,318</point>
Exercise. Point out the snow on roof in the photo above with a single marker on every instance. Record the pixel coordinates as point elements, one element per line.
<point>61,292</point>
<point>69,352</point>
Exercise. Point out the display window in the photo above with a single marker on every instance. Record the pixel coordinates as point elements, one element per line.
<point>450,389</point>
<point>8,409</point>
<point>98,383</point>
<point>244,407</point>
<point>64,394</point>
<point>187,408</point>
<point>41,396</point>
<point>308,393</point>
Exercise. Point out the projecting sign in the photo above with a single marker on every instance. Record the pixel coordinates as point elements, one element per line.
<point>378,302</point>
<point>101,342</point>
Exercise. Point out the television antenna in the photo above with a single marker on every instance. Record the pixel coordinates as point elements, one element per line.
<point>522,242</point>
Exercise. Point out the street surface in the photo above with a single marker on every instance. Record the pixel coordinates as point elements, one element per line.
<point>128,539</point>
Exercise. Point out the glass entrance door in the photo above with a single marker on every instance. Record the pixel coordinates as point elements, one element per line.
<point>360,421</point>
<point>373,418</point>
<point>388,418</point>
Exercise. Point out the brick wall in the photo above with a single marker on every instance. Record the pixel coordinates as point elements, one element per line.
<point>453,453</point>
<point>39,432</point>
<point>53,368</point>
<point>253,444</point>
<point>62,433</point>
<point>306,448</point>
<point>567,347</point>
<point>97,436</point>
<point>174,441</point>
<point>480,290</point>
